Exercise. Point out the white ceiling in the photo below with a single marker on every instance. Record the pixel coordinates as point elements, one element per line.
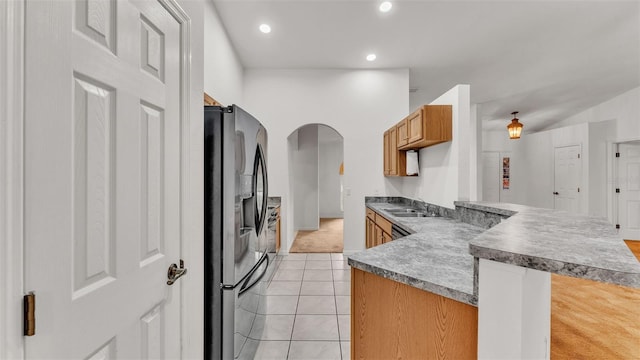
<point>546,59</point>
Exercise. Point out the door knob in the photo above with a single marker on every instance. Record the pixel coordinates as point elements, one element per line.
<point>175,272</point>
<point>556,193</point>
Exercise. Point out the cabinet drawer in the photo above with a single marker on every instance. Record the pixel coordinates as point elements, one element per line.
<point>371,214</point>
<point>383,223</point>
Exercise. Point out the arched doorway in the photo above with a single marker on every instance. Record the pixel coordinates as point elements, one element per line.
<point>316,155</point>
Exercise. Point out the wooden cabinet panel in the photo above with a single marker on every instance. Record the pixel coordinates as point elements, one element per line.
<point>386,153</point>
<point>393,146</point>
<point>383,223</point>
<point>377,229</point>
<point>429,125</point>
<point>379,240</point>
<point>391,320</point>
<point>370,233</point>
<point>415,126</point>
<point>395,161</point>
<point>403,133</point>
<point>371,214</point>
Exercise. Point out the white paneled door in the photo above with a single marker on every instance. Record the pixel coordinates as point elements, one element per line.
<point>567,168</point>
<point>491,179</point>
<point>629,196</point>
<point>102,178</point>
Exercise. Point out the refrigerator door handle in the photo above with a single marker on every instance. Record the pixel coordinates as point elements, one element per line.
<point>246,287</point>
<point>260,169</point>
<point>246,276</point>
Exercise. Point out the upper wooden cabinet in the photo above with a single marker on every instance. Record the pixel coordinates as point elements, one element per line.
<point>403,132</point>
<point>429,125</point>
<point>395,161</point>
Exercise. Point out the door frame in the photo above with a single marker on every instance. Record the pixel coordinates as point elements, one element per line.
<point>11,177</point>
<point>612,199</point>
<point>12,96</point>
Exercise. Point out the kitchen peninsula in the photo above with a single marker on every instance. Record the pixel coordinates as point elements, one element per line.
<point>425,288</point>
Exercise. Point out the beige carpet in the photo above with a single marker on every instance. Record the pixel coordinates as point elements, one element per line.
<point>327,239</point>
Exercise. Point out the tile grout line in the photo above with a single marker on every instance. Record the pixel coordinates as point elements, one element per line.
<point>295,315</point>
<point>335,301</point>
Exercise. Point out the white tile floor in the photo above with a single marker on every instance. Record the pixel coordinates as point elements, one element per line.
<point>308,307</point>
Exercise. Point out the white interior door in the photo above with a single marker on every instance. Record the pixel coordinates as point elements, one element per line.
<point>629,196</point>
<point>102,178</point>
<point>567,167</point>
<point>491,179</point>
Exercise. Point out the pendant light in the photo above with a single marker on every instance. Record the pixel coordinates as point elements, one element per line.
<point>515,128</point>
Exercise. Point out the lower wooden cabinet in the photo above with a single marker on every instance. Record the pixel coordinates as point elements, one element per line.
<point>391,320</point>
<point>378,229</point>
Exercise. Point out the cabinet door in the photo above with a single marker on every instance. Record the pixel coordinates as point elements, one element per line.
<point>385,237</point>
<point>403,133</point>
<point>369,233</point>
<point>379,236</point>
<point>415,126</point>
<point>393,150</point>
<point>386,153</point>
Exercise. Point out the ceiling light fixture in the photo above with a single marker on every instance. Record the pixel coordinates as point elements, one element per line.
<point>385,6</point>
<point>515,128</point>
<point>371,57</point>
<point>265,28</point>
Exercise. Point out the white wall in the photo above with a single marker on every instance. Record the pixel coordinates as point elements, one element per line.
<point>359,104</point>
<point>624,109</point>
<point>305,186</point>
<point>330,157</point>
<point>446,171</point>
<point>600,178</point>
<point>223,71</point>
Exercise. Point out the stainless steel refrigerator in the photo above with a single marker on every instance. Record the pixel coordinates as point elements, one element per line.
<point>236,258</point>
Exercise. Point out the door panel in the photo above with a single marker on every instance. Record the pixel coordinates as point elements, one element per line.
<point>491,177</point>
<point>102,178</point>
<point>629,196</point>
<point>568,166</point>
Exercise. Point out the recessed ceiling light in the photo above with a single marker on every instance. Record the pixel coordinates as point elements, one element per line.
<point>371,57</point>
<point>385,6</point>
<point>265,28</point>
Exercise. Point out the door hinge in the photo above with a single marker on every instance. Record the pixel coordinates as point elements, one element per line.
<point>578,189</point>
<point>617,226</point>
<point>578,156</point>
<point>617,190</point>
<point>29,308</point>
<point>617,154</point>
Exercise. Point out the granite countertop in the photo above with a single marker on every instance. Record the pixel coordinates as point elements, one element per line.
<point>434,258</point>
<point>556,241</point>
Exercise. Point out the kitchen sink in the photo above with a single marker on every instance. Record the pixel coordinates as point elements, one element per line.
<point>416,214</point>
<point>410,213</point>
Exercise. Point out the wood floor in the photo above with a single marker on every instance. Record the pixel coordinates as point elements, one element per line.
<point>593,320</point>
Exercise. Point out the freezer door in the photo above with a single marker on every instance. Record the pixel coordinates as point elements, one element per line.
<point>244,308</point>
